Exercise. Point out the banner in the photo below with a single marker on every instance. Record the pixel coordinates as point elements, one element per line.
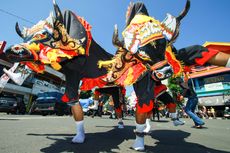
<point>5,78</point>
<point>2,46</point>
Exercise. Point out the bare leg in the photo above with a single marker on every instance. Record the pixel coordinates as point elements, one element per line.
<point>141,117</point>
<point>119,117</point>
<point>220,59</point>
<point>118,112</point>
<point>78,116</point>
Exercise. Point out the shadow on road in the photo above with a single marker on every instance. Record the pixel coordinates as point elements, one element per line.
<point>174,142</point>
<point>94,143</point>
<point>166,141</point>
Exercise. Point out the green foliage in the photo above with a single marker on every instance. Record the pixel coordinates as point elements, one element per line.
<point>175,89</point>
<point>173,86</point>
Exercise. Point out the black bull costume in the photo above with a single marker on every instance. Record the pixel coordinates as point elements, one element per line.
<point>145,55</point>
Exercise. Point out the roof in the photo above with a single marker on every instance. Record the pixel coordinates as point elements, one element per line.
<point>221,46</point>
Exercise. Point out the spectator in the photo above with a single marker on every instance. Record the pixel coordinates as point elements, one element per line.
<point>189,92</point>
<point>213,113</point>
<point>85,103</point>
<point>227,112</point>
<point>204,112</point>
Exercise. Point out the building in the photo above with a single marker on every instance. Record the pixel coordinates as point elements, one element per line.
<point>51,80</point>
<point>212,83</point>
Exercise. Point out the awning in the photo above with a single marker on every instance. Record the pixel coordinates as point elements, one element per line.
<point>210,71</point>
<point>214,100</point>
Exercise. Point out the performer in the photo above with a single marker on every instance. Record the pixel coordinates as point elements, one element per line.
<point>150,41</point>
<point>189,92</point>
<point>149,46</point>
<point>118,99</point>
<point>162,95</point>
<point>147,39</point>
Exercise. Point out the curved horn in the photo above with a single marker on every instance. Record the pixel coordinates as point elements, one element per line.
<point>179,18</point>
<point>116,42</point>
<point>58,12</point>
<point>184,12</point>
<point>19,32</point>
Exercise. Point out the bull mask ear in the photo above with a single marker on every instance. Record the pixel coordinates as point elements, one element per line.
<point>19,32</point>
<point>58,12</point>
<point>116,42</point>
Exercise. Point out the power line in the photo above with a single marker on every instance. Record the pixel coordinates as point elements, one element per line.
<point>11,14</point>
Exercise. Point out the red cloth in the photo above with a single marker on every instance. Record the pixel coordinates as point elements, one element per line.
<point>90,83</point>
<point>118,110</point>
<point>96,93</point>
<point>145,108</point>
<point>171,105</point>
<point>158,89</point>
<point>65,98</point>
<point>206,56</point>
<point>123,91</point>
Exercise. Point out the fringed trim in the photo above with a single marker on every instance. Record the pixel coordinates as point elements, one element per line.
<point>176,64</point>
<point>88,28</point>
<point>39,68</point>
<point>145,107</point>
<point>90,83</point>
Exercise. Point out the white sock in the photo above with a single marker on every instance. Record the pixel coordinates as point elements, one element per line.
<point>140,127</point>
<point>148,126</point>
<point>120,123</point>
<point>80,136</point>
<point>120,120</point>
<point>173,115</point>
<point>228,63</point>
<point>80,126</point>
<point>147,122</point>
<point>139,141</point>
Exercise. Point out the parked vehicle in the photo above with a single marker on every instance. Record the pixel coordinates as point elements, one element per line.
<point>48,104</point>
<point>10,104</point>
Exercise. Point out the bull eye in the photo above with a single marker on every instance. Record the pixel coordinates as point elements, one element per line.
<point>38,36</point>
<point>16,48</point>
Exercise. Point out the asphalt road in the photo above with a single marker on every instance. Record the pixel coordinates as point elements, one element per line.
<point>53,134</point>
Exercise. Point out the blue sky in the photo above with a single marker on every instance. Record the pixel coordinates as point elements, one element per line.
<point>207,20</point>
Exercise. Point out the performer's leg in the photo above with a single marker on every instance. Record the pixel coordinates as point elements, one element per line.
<point>167,99</point>
<point>144,92</point>
<point>199,55</point>
<point>220,59</point>
<point>118,112</point>
<point>78,116</point>
<point>140,126</point>
<point>174,115</point>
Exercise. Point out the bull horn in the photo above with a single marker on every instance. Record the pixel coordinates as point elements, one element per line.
<point>184,12</point>
<point>19,32</point>
<point>58,12</point>
<point>116,42</point>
